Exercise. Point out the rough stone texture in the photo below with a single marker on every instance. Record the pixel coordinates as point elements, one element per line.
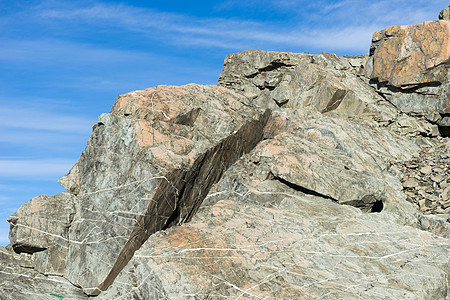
<point>19,281</point>
<point>342,159</point>
<point>297,177</point>
<point>445,14</point>
<point>145,167</point>
<point>425,179</point>
<point>296,80</point>
<point>262,239</point>
<point>409,66</point>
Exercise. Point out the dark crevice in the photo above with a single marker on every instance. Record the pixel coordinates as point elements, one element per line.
<point>189,118</point>
<point>407,89</point>
<point>179,196</point>
<point>335,100</point>
<point>23,248</point>
<point>281,103</point>
<point>444,125</point>
<point>274,65</point>
<point>377,207</point>
<point>444,131</point>
<point>366,205</point>
<point>301,189</point>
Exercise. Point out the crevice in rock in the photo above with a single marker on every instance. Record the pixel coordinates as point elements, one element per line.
<point>336,100</point>
<point>301,188</point>
<point>377,207</point>
<point>444,125</point>
<point>366,204</point>
<point>180,195</point>
<point>281,103</point>
<point>406,89</point>
<point>23,248</point>
<point>274,65</point>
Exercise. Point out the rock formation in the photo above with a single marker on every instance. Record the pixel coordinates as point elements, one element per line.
<point>298,176</point>
<point>445,14</point>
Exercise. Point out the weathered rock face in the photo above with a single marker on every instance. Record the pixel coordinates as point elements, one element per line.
<point>445,14</point>
<point>20,281</point>
<point>147,166</point>
<point>297,177</point>
<point>409,66</point>
<point>296,80</point>
<point>261,238</point>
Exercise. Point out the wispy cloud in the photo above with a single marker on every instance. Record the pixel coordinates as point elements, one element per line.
<point>41,120</point>
<point>342,25</point>
<point>37,169</point>
<point>227,33</point>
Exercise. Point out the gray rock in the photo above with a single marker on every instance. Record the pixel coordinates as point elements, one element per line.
<point>297,177</point>
<point>261,238</point>
<point>445,14</point>
<point>144,168</point>
<point>425,170</point>
<point>19,281</point>
<point>296,80</point>
<point>409,183</point>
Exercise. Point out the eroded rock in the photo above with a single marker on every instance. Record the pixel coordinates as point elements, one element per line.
<point>296,80</point>
<point>147,166</point>
<point>445,14</point>
<point>409,67</point>
<point>297,177</point>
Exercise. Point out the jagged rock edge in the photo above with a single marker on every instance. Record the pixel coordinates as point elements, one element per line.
<point>177,185</point>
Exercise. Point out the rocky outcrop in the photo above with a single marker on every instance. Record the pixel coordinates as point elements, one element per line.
<point>291,81</point>
<point>409,67</point>
<point>299,176</point>
<point>147,166</point>
<point>445,14</point>
<point>256,238</point>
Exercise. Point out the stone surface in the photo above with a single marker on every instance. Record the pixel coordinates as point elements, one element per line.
<point>298,177</point>
<point>262,239</point>
<point>296,80</point>
<point>145,166</point>
<point>409,66</point>
<point>20,282</point>
<point>426,181</point>
<point>445,14</point>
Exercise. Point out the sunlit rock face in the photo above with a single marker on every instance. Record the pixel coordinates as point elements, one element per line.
<point>445,14</point>
<point>299,176</point>
<point>147,166</point>
<point>409,66</point>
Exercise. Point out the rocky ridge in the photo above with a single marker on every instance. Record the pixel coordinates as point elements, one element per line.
<point>299,176</point>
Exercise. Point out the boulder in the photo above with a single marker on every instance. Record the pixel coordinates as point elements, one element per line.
<point>147,166</point>
<point>409,66</point>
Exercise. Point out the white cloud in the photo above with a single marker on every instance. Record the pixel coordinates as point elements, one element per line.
<point>333,25</point>
<point>41,120</point>
<point>38,168</point>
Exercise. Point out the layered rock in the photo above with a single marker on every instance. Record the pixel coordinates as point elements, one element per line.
<point>147,166</point>
<point>296,80</point>
<point>299,176</point>
<point>409,66</point>
<point>256,238</point>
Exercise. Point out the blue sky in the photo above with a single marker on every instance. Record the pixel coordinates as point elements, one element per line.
<point>62,63</point>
